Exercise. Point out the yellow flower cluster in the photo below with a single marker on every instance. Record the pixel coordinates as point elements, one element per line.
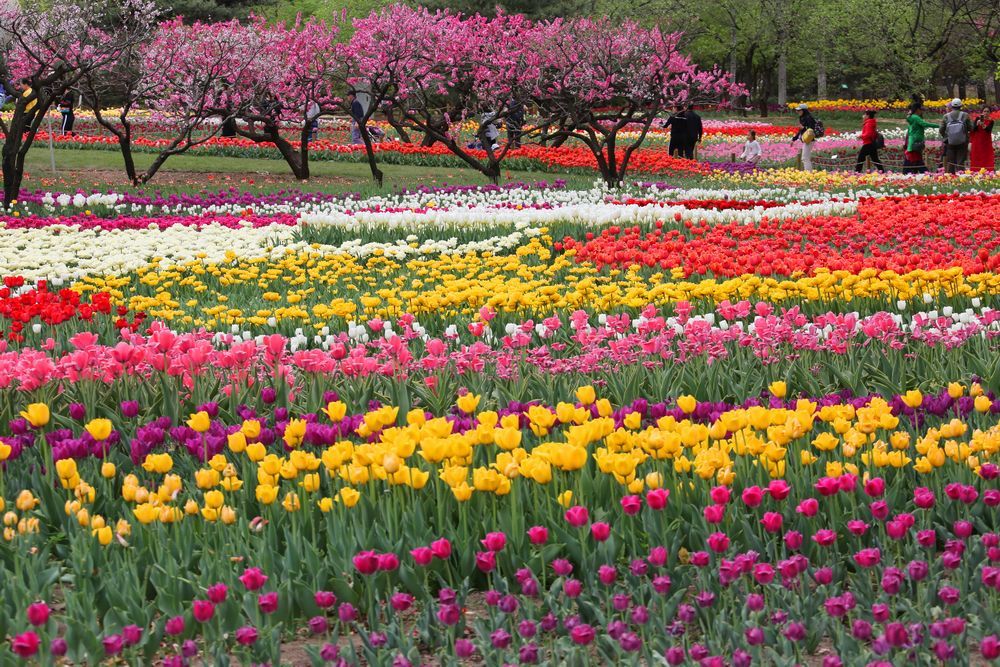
<point>859,105</point>
<point>754,442</point>
<point>321,288</point>
<point>826,180</point>
<point>15,525</point>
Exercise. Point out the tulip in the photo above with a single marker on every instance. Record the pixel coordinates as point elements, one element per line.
<point>753,496</point>
<point>582,634</point>
<point>99,429</point>
<point>606,574</point>
<point>58,647</point>
<point>772,522</point>
<point>714,513</point>
<point>779,489</point>
<point>422,555</point>
<point>268,602</point>
<point>718,542</point>
<point>253,579</point>
<point>600,531</point>
<point>36,414</point>
<point>346,613</point>
<point>203,610</point>
<point>388,562</point>
<point>631,505</point>
<point>112,644</point>
<point>464,648</point>
<point>247,635</point>
<point>401,601</point>
<point>366,562</point>
<point>657,556</point>
<point>318,625</point>
<point>495,541</point>
<point>657,498</point>
<point>174,626</point>
<point>538,535</point>
<point>720,495</point>
<point>38,613</point>
<point>577,516</point>
<point>562,567</point>
<point>441,548</point>
<point>486,561</point>
<point>989,647</point>
<point>329,652</point>
<point>25,644</point>
<point>572,588</point>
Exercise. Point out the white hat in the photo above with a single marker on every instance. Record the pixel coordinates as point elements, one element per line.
<point>956,103</point>
<point>802,107</point>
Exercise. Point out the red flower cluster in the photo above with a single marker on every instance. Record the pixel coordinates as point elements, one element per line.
<point>22,308</point>
<point>895,233</point>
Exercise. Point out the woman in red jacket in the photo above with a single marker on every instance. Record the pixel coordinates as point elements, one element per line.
<point>869,142</point>
<point>981,154</point>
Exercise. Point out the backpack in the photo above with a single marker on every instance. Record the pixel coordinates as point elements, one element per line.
<point>955,129</point>
<point>880,140</point>
<point>819,130</point>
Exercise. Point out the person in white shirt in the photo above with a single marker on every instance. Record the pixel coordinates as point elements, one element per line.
<point>751,151</point>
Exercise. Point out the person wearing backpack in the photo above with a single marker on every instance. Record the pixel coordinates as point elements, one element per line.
<point>811,130</point>
<point>955,129</point>
<point>913,151</point>
<point>871,142</point>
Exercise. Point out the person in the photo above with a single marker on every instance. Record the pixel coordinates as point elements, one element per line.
<point>488,129</point>
<point>806,134</point>
<point>357,116</point>
<point>869,142</point>
<point>751,151</point>
<point>955,128</point>
<point>515,122</point>
<point>981,154</point>
<point>312,115</point>
<point>229,127</point>
<point>913,153</point>
<point>66,106</point>
<point>679,132</point>
<point>696,130</point>
<point>23,89</point>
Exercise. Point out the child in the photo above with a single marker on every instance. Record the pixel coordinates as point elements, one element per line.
<point>751,151</point>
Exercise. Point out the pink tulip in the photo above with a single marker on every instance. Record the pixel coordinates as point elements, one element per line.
<point>779,489</point>
<point>495,541</point>
<point>808,507</point>
<point>538,535</point>
<point>714,513</point>
<point>718,542</point>
<point>422,555</point>
<point>868,557</point>
<point>720,495</point>
<point>441,548</point>
<point>486,561</point>
<point>657,498</point>
<point>366,562</point>
<point>631,504</point>
<point>577,516</point>
<point>753,496</point>
<point>772,522</point>
<point>600,531</point>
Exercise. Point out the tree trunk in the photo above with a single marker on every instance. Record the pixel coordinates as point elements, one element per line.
<point>961,89</point>
<point>783,77</point>
<point>125,144</point>
<point>821,77</point>
<point>370,153</point>
<point>11,176</point>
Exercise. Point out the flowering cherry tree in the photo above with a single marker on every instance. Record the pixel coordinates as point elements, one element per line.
<point>186,74</point>
<point>435,70</point>
<point>599,78</point>
<point>53,46</point>
<point>296,86</point>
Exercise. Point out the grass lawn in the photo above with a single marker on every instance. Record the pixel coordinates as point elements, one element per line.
<point>80,168</point>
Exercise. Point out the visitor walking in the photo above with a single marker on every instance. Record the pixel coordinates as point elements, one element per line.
<point>66,106</point>
<point>955,129</point>
<point>679,132</point>
<point>981,154</point>
<point>695,130</point>
<point>916,143</point>
<point>751,150</point>
<point>870,142</point>
<point>806,134</point>
<point>357,116</point>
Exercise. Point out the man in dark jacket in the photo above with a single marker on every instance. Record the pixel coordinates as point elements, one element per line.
<point>695,129</point>
<point>807,123</point>
<point>680,133</point>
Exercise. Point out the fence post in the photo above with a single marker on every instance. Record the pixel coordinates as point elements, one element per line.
<point>732,157</point>
<point>868,164</point>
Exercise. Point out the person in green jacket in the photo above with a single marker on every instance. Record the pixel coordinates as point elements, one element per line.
<point>913,155</point>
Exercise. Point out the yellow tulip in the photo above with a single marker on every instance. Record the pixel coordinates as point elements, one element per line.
<point>266,494</point>
<point>779,389</point>
<point>295,432</point>
<point>251,429</point>
<point>982,403</point>
<point>912,398</point>
<point>462,492</point>
<point>310,482</point>
<point>5,451</point>
<point>325,504</point>
<point>214,499</point>
<point>687,403</point>
<point>199,421</point>
<point>565,498</point>
<point>207,478</point>
<point>104,535</point>
<point>604,408</point>
<point>108,470</point>
<point>66,468</point>
<point>586,394</point>
<point>956,389</point>
<point>36,414</point>
<point>99,429</point>
<point>468,403</point>
<point>228,515</point>
<point>335,411</point>
<point>237,442</point>
<point>26,501</point>
<point>256,452</point>
<point>291,503</point>
<point>146,513</point>
<point>348,497</point>
<point>191,507</point>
